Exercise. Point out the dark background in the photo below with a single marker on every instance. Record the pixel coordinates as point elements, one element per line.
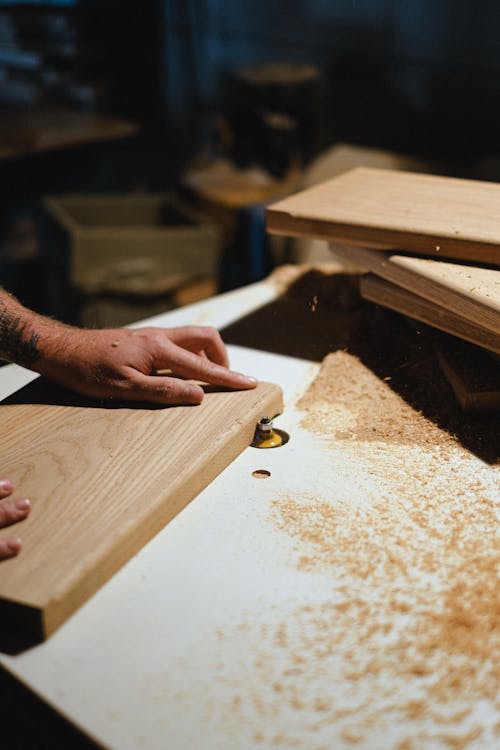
<point>415,76</point>
<point>420,75</point>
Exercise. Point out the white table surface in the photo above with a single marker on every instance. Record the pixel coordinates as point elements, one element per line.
<point>183,647</point>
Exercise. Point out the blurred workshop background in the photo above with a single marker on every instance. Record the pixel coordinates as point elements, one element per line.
<point>140,140</point>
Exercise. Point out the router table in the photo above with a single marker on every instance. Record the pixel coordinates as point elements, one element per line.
<point>340,591</point>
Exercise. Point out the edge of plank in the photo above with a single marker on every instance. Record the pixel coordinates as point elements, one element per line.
<point>286,223</point>
<point>479,401</point>
<point>385,293</point>
<point>288,216</point>
<point>387,267</point>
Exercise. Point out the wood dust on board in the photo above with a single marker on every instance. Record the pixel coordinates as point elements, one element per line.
<point>425,549</point>
<point>319,311</point>
<point>403,649</point>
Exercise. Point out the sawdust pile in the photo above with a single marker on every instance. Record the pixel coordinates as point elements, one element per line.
<point>349,399</point>
<point>320,312</point>
<point>427,546</point>
<point>409,634</point>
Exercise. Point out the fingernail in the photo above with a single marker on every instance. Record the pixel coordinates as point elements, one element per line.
<point>194,393</point>
<point>248,379</point>
<point>23,503</point>
<point>6,485</point>
<point>14,545</point>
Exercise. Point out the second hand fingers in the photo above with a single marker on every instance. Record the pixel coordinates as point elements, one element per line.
<point>14,511</point>
<point>9,548</point>
<point>6,488</point>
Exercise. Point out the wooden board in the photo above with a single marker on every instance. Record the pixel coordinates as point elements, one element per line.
<point>389,295</point>
<point>472,373</point>
<point>424,214</point>
<point>103,481</point>
<point>471,292</point>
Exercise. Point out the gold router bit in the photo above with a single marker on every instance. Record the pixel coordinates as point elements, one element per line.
<point>266,436</point>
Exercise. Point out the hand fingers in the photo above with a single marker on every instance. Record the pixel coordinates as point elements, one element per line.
<point>199,339</point>
<point>6,487</point>
<point>9,548</point>
<point>189,365</point>
<point>161,390</point>
<point>14,511</point>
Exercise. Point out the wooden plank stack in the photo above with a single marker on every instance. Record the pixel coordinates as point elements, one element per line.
<point>430,246</point>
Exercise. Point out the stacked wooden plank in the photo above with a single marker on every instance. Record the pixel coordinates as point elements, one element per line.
<point>430,246</point>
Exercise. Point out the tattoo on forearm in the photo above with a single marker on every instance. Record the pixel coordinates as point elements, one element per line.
<point>16,343</point>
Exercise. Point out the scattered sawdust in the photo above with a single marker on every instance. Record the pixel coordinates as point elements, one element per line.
<point>412,636</point>
<point>426,549</point>
<point>352,736</point>
<point>409,635</point>
<point>459,742</point>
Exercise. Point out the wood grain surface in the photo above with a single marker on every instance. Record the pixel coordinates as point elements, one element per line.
<point>471,292</point>
<point>390,295</point>
<point>388,209</point>
<point>103,481</point>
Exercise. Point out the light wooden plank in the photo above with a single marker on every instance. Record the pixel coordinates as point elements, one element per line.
<point>472,373</point>
<point>389,295</point>
<point>471,292</point>
<point>103,481</point>
<point>424,214</point>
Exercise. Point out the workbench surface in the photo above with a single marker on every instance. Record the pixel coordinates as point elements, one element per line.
<point>240,626</point>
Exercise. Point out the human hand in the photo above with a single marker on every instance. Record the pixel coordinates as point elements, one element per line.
<point>11,512</point>
<point>122,363</point>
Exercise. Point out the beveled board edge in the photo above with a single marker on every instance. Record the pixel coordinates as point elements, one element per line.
<point>389,295</point>
<point>387,267</point>
<point>284,223</point>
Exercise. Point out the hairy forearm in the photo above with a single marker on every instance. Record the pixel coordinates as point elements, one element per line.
<point>24,335</point>
<point>19,337</point>
<point>117,363</point>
